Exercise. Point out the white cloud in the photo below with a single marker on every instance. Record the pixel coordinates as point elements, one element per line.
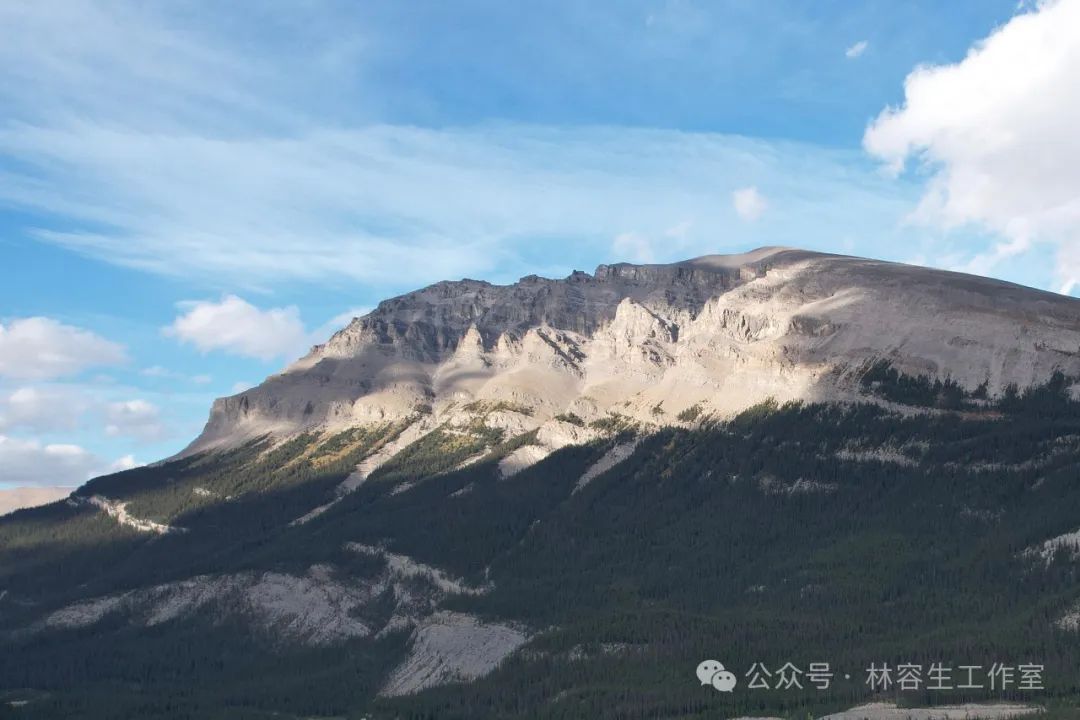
<point>680,230</point>
<point>28,462</point>
<point>344,318</point>
<point>47,409</point>
<point>137,419</point>
<point>664,244</point>
<point>162,373</point>
<point>40,347</point>
<point>127,462</point>
<point>395,205</point>
<point>240,386</point>
<point>223,173</point>
<point>86,58</point>
<point>238,327</point>
<point>749,203</point>
<point>632,247</point>
<point>338,322</point>
<point>997,131</point>
<point>856,50</point>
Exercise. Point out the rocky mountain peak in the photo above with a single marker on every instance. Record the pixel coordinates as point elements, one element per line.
<point>720,332</point>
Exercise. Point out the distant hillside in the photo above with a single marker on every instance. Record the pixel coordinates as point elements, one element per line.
<point>24,497</point>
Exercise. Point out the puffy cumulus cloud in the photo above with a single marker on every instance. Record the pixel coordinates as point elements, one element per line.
<point>997,132</point>
<point>856,50</point>
<point>29,462</point>
<point>40,347</point>
<point>238,327</point>
<point>137,419</point>
<point>749,203</point>
<point>47,409</point>
<point>127,462</point>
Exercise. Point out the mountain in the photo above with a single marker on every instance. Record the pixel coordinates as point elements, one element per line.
<point>554,499</point>
<point>24,497</point>
<point>720,332</point>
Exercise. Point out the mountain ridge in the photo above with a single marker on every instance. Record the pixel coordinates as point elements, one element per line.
<point>458,508</point>
<point>722,332</point>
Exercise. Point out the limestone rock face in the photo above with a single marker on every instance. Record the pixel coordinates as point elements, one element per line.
<point>648,341</point>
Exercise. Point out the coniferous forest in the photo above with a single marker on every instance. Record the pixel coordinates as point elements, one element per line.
<point>852,535</point>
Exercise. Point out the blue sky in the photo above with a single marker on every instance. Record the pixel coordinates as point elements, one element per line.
<point>192,193</point>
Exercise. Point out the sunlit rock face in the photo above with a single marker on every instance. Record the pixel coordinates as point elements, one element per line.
<point>720,332</point>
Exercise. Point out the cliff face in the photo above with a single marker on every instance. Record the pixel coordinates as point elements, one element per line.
<point>648,341</point>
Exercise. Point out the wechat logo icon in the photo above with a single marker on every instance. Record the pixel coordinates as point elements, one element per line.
<point>711,672</point>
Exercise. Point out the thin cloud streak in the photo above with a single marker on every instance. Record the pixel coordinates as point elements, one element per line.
<point>420,205</point>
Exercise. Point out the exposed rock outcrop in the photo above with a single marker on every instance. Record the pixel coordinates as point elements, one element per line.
<point>452,647</point>
<point>323,607</point>
<point>649,341</point>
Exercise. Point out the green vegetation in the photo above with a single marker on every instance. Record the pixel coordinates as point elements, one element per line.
<point>1049,400</point>
<point>612,423</point>
<point>571,418</point>
<point>690,414</point>
<point>889,383</point>
<point>437,452</point>
<point>782,535</point>
<point>483,407</point>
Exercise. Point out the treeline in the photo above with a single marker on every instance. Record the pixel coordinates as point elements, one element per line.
<point>801,533</point>
<point>1050,399</point>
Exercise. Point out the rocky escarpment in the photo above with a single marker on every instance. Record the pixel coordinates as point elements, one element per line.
<point>649,341</point>
<point>325,607</point>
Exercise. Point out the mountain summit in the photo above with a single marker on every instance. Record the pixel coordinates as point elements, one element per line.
<point>556,499</point>
<point>718,333</point>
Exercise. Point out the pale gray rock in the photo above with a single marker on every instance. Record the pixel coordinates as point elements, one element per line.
<point>311,609</point>
<point>452,647</point>
<point>614,456</point>
<point>1068,543</point>
<point>118,511</point>
<point>648,341</point>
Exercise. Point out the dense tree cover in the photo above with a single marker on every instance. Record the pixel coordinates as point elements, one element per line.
<point>1051,399</point>
<point>819,533</point>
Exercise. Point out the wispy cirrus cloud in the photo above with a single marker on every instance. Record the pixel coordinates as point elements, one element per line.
<point>856,50</point>
<point>415,205</point>
<point>221,174</point>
